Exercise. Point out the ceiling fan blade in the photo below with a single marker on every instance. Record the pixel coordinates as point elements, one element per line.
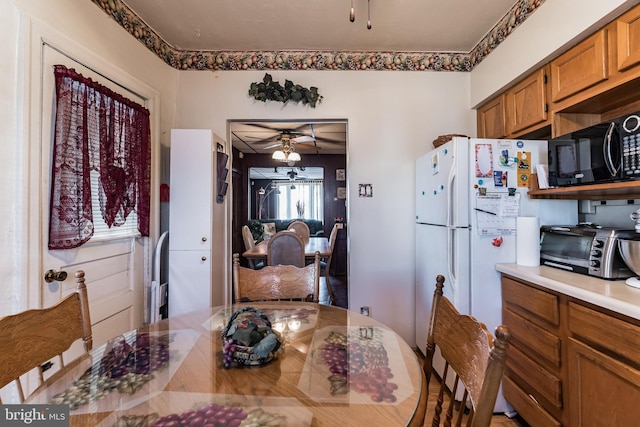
<point>272,146</point>
<point>303,138</point>
<point>307,147</point>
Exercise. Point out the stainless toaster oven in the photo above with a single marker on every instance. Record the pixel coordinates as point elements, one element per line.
<point>585,249</point>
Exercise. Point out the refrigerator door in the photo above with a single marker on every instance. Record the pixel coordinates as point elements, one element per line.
<point>445,251</point>
<point>498,165</point>
<point>441,180</point>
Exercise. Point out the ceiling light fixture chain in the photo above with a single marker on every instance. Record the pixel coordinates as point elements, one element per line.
<point>352,14</point>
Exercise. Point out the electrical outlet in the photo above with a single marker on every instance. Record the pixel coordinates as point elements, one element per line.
<point>364,310</point>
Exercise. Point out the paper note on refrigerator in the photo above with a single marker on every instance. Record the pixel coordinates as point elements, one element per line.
<point>496,213</point>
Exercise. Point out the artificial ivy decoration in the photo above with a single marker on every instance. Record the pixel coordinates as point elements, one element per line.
<point>274,91</point>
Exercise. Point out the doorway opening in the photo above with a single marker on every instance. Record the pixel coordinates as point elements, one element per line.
<point>262,182</point>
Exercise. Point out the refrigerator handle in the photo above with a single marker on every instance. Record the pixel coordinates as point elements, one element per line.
<point>451,255</point>
<point>450,199</point>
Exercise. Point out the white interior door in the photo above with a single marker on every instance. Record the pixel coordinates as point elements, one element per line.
<point>114,269</point>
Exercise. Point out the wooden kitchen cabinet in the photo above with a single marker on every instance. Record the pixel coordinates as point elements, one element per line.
<point>581,67</point>
<point>570,363</point>
<point>603,368</point>
<point>526,106</point>
<point>533,382</point>
<point>628,40</point>
<point>491,118</point>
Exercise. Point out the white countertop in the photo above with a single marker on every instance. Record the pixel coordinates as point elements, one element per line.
<point>614,295</point>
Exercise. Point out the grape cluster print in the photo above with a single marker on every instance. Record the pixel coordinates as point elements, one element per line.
<point>126,367</point>
<point>358,365</point>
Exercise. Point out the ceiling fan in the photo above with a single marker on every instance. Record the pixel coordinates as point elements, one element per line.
<point>287,138</point>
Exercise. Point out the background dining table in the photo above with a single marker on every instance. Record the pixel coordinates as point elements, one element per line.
<point>320,244</point>
<point>336,367</point>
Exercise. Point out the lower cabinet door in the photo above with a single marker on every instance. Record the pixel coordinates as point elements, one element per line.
<point>603,391</point>
<point>189,281</point>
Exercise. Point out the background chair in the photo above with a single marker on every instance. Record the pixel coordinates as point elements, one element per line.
<point>279,282</point>
<point>32,337</point>
<point>301,229</point>
<point>326,264</point>
<point>285,248</point>
<point>475,359</point>
<point>247,236</point>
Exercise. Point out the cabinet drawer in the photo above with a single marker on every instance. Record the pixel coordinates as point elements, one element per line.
<point>527,407</point>
<point>605,331</point>
<point>536,304</point>
<point>547,385</point>
<point>545,344</point>
<point>581,67</point>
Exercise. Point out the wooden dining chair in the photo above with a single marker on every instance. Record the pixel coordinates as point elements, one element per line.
<point>477,362</point>
<point>326,263</point>
<point>276,283</point>
<point>249,243</point>
<point>301,228</point>
<point>31,338</point>
<point>285,248</point>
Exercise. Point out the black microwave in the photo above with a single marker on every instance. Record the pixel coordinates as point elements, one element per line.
<point>587,156</point>
<point>602,153</point>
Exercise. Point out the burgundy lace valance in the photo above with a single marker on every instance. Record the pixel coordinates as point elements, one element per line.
<point>96,129</point>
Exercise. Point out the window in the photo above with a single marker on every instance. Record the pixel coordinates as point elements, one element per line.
<point>101,231</point>
<point>101,166</point>
<point>300,199</point>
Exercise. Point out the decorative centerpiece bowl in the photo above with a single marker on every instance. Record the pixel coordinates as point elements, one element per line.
<point>248,339</point>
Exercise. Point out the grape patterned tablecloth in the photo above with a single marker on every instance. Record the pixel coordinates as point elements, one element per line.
<point>356,365</point>
<point>123,372</point>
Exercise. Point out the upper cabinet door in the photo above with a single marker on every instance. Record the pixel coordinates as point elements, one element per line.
<point>628,37</point>
<point>491,119</point>
<point>526,103</point>
<point>581,67</point>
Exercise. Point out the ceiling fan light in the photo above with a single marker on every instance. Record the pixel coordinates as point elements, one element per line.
<point>278,155</point>
<point>294,157</point>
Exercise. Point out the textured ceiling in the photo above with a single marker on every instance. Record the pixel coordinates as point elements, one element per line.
<point>397,25</point>
<point>236,35</point>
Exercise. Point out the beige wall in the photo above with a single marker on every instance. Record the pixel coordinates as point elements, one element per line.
<point>392,118</point>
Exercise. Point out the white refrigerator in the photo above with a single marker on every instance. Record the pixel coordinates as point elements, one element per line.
<point>455,239</point>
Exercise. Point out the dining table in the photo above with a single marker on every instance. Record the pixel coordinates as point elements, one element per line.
<point>333,367</point>
<point>315,244</point>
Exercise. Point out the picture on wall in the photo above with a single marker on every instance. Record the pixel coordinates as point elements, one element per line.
<point>341,175</point>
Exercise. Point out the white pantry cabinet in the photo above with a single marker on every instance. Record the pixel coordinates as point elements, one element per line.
<point>192,198</point>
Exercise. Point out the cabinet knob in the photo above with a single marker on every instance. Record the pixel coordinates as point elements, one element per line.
<point>204,239</point>
<point>204,258</point>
